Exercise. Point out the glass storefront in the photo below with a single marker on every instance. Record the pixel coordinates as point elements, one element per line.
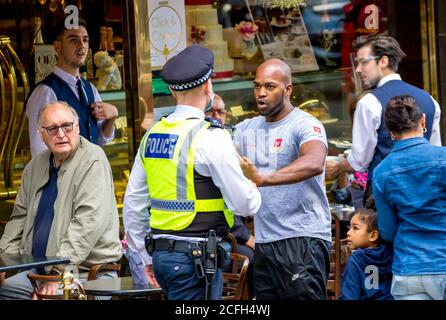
<point>315,39</point>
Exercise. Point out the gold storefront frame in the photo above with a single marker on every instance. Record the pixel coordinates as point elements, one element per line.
<point>428,47</point>
<point>12,114</point>
<point>138,81</point>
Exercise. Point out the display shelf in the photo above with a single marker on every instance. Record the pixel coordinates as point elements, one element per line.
<point>238,83</point>
<point>112,95</point>
<point>238,92</point>
<point>160,88</point>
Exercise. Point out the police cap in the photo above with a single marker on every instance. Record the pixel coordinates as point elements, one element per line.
<point>189,68</point>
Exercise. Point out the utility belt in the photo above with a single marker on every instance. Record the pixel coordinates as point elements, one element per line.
<point>182,246</point>
<point>200,252</point>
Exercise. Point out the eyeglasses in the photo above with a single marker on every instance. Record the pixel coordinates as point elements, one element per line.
<point>364,61</point>
<point>53,130</point>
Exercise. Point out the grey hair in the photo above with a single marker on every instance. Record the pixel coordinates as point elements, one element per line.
<point>73,111</point>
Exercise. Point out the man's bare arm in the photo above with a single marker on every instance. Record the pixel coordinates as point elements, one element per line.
<point>309,164</point>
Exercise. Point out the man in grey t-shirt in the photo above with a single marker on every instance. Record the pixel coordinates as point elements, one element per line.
<point>284,152</point>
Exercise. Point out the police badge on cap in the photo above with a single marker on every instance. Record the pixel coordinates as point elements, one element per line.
<point>189,68</point>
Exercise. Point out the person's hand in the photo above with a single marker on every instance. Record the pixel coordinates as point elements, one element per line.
<point>332,169</point>
<point>104,111</point>
<point>251,242</point>
<point>342,180</point>
<point>2,278</point>
<point>244,165</point>
<point>250,171</point>
<point>148,270</point>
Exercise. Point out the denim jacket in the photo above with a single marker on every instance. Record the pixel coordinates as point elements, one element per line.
<point>409,187</point>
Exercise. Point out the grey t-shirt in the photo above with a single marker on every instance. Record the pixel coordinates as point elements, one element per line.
<point>293,210</point>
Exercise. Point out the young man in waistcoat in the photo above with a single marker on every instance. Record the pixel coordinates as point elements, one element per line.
<point>377,60</point>
<point>96,118</point>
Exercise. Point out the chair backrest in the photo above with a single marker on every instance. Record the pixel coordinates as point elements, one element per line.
<point>77,294</point>
<point>334,277</point>
<point>247,294</point>
<point>234,281</point>
<point>94,270</point>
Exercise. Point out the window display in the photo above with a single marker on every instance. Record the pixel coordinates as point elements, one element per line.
<point>202,28</point>
<point>314,37</point>
<point>307,37</point>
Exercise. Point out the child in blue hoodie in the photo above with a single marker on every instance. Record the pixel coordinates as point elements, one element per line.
<point>368,272</point>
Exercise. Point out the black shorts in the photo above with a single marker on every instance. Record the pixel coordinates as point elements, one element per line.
<point>295,268</point>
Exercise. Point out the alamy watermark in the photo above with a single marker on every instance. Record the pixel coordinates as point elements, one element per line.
<point>72,18</point>
<point>372,20</point>
<point>372,279</point>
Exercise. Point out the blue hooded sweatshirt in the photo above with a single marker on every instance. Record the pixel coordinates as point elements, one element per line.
<point>359,283</point>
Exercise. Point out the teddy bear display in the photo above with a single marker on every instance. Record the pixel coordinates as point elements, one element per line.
<point>109,76</point>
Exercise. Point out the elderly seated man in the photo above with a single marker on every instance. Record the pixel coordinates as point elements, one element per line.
<point>66,205</point>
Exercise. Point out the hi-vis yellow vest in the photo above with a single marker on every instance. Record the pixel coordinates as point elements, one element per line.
<point>168,154</point>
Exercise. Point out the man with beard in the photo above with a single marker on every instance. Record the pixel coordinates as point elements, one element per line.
<point>96,118</point>
<point>284,152</point>
<point>377,60</point>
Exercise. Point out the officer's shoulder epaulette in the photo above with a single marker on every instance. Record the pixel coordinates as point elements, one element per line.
<point>214,123</point>
<point>165,115</point>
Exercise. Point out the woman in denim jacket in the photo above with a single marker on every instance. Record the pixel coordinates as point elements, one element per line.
<point>409,187</point>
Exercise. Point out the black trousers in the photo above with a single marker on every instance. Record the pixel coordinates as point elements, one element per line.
<point>295,268</point>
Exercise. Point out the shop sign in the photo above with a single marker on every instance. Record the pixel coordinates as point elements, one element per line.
<point>45,59</point>
<point>166,30</point>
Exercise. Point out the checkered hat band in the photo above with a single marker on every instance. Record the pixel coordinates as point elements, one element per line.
<point>192,84</point>
<point>173,205</point>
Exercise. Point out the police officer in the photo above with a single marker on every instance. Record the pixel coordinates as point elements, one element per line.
<point>192,171</point>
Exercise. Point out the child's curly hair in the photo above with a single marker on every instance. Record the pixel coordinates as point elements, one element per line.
<point>369,217</point>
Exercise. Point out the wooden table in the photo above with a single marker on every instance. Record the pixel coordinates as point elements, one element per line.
<point>11,262</point>
<point>123,286</point>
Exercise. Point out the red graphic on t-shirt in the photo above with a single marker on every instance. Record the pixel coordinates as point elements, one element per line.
<point>317,129</point>
<point>277,143</point>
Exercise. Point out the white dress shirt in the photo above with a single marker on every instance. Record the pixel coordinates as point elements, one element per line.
<point>366,122</point>
<point>42,95</point>
<point>215,157</point>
